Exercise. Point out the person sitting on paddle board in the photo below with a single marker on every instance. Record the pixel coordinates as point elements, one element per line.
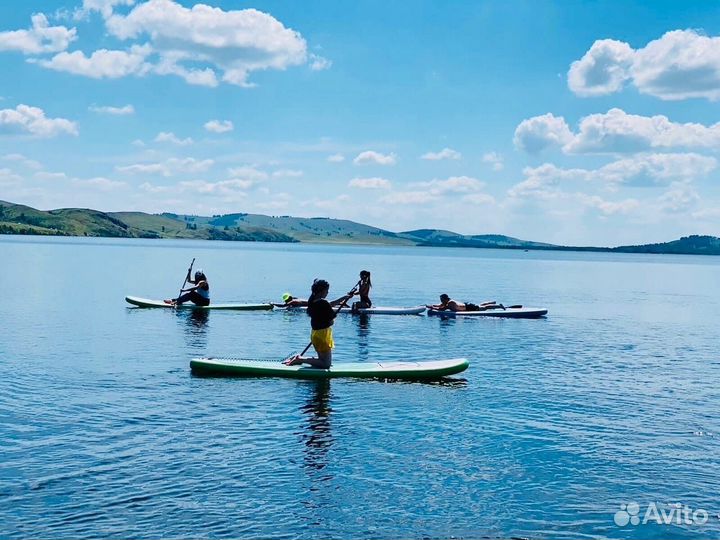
<point>198,295</point>
<point>448,304</point>
<point>322,317</point>
<point>363,292</point>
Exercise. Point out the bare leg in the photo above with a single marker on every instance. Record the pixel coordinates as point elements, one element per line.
<point>322,361</point>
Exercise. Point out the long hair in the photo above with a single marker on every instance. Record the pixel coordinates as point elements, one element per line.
<point>365,274</point>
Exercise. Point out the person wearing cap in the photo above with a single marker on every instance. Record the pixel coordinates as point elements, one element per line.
<point>198,294</point>
<point>448,304</point>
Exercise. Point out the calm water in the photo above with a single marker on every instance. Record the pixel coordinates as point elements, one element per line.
<point>613,398</point>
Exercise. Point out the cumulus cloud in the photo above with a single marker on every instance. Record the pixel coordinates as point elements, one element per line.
<point>169,136</point>
<point>318,63</point>
<point>454,184</point>
<point>494,159</point>
<point>540,132</point>
<point>543,182</point>
<point>40,38</point>
<point>370,183</point>
<point>336,158</point>
<point>681,64</point>
<point>229,45</point>
<point>223,187</point>
<point>219,126</point>
<point>479,198</point>
<point>24,119</point>
<point>103,63</point>
<point>104,7</point>
<point>169,167</point>
<point>22,160</point>
<point>117,111</point>
<point>616,132</point>
<point>445,153</point>
<point>372,157</point>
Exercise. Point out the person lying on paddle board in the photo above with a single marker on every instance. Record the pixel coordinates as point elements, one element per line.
<point>290,301</point>
<point>363,292</point>
<point>199,294</point>
<point>322,317</point>
<point>448,304</point>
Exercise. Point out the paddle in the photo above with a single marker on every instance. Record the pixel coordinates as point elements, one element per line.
<point>344,303</point>
<point>186,277</point>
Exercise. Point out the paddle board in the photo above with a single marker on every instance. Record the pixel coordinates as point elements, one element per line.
<point>511,313</point>
<point>146,303</point>
<point>236,367</point>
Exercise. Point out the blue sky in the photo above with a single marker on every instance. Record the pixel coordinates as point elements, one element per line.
<point>569,122</point>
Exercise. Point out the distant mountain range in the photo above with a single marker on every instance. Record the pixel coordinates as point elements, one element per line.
<point>20,219</point>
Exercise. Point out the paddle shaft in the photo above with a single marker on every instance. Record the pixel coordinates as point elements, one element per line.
<point>186,277</point>
<point>352,292</point>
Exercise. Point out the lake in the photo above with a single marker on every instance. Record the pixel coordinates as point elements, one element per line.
<point>612,399</point>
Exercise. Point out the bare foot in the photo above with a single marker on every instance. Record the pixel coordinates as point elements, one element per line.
<point>293,360</point>
<point>171,302</point>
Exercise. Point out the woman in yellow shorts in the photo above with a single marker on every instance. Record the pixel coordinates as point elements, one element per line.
<point>322,317</point>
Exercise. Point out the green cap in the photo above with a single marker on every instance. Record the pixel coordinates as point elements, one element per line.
<point>287,296</point>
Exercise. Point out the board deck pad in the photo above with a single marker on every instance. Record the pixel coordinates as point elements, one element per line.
<point>239,367</point>
<point>147,303</point>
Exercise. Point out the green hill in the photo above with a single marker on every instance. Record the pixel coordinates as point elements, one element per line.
<point>20,219</point>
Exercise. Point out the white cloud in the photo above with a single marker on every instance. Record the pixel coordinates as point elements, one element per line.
<point>603,70</point>
<point>607,207</point>
<point>617,132</point>
<point>642,170</point>
<point>370,156</point>
<point>227,45</point>
<point>336,158</point>
<point>679,199</point>
<point>41,38</point>
<point>222,188</point>
<point>102,63</point>
<point>169,136</point>
<point>105,7</point>
<point>681,64</point>
<point>100,183</point>
<point>117,111</point>
<point>454,184</point>
<point>318,63</point>
<point>46,175</point>
<point>21,159</point>
<point>370,183</point>
<point>7,177</point>
<point>408,198</point>
<point>445,153</point>
<point>495,159</point>
<point>25,119</point>
<point>287,173</point>
<point>248,173</point>
<point>540,132</point>
<point>219,126</point>
<point>169,167</point>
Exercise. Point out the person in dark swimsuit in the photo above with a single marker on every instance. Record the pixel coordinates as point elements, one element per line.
<point>448,304</point>
<point>363,292</point>
<point>199,294</point>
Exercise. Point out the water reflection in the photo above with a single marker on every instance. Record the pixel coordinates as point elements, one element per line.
<point>195,326</point>
<point>362,324</point>
<point>318,435</point>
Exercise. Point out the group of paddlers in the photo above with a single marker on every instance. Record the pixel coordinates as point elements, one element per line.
<point>321,312</point>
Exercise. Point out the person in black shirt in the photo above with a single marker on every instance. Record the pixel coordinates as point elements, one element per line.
<point>322,317</point>
<point>363,292</point>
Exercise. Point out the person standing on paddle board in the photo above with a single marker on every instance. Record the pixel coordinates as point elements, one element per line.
<point>322,318</point>
<point>363,292</point>
<point>198,295</point>
<point>448,304</point>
